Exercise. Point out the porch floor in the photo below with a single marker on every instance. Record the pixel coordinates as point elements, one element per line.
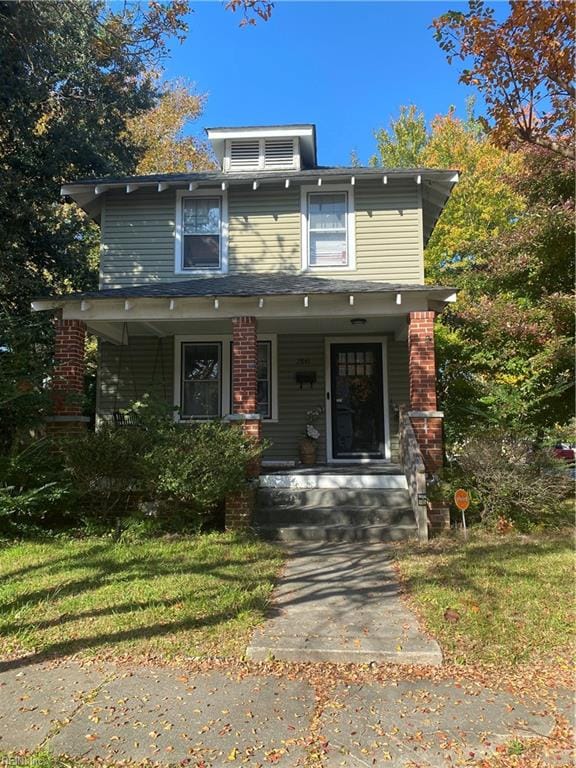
<point>371,468</point>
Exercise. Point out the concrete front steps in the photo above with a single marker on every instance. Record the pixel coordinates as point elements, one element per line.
<point>334,508</point>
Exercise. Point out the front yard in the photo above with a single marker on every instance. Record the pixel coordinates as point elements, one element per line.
<point>172,597</point>
<point>496,599</point>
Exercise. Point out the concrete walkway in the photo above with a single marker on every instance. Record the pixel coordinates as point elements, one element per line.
<point>250,718</point>
<point>341,603</point>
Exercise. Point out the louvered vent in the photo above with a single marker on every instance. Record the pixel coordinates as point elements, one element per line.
<point>278,153</point>
<point>245,154</point>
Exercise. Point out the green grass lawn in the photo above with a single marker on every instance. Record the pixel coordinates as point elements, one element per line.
<point>175,597</point>
<point>513,595</point>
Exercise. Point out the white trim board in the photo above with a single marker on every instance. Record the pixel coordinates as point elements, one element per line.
<point>329,340</point>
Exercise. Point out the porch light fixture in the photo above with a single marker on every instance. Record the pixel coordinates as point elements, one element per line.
<point>358,321</point>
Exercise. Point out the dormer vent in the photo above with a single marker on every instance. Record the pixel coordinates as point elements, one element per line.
<point>264,147</point>
<point>279,153</point>
<point>262,154</point>
<point>244,154</point>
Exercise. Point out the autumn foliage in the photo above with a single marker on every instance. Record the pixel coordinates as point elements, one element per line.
<point>523,67</point>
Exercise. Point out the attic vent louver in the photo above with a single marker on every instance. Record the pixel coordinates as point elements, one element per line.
<point>245,154</point>
<point>279,153</point>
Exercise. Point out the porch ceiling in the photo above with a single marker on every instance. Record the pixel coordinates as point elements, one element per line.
<point>117,331</point>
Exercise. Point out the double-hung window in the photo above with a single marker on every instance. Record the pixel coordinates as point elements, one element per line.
<point>200,234</point>
<point>328,228</point>
<point>201,390</point>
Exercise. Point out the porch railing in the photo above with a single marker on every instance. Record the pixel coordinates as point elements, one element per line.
<point>415,471</point>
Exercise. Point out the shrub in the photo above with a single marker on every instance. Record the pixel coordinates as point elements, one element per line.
<point>515,479</point>
<point>184,470</point>
<point>198,465</point>
<point>34,493</point>
<point>108,469</point>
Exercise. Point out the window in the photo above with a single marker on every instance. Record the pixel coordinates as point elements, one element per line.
<point>203,377</point>
<point>201,224</point>
<point>327,230</point>
<point>201,380</point>
<point>327,217</point>
<point>264,379</point>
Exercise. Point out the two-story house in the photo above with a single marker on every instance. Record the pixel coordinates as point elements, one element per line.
<point>264,290</point>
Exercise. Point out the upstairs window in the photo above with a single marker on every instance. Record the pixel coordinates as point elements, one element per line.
<point>327,229</point>
<point>200,233</point>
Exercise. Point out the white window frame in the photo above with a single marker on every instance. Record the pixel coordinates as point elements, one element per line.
<point>226,365</point>
<point>327,189</point>
<point>182,195</point>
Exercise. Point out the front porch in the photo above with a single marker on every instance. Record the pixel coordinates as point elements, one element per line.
<point>342,356</point>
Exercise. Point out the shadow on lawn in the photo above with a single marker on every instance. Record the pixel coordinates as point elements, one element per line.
<point>503,559</point>
<point>110,571</point>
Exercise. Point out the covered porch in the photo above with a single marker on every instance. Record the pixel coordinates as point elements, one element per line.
<point>268,351</point>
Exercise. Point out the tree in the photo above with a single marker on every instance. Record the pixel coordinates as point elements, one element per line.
<point>160,132</point>
<point>505,240</point>
<point>483,203</point>
<point>73,74</point>
<point>403,144</point>
<point>523,67</point>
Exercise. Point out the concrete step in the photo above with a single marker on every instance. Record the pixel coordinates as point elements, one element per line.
<point>334,515</point>
<point>362,482</point>
<point>313,498</point>
<point>337,533</point>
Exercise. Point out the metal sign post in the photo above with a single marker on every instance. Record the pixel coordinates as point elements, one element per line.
<point>462,501</point>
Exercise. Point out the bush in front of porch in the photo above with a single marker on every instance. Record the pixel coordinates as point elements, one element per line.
<point>152,476</point>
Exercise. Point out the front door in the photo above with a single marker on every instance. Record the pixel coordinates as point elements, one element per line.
<point>356,406</point>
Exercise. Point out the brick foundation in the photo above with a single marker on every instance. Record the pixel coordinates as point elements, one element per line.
<point>239,506</point>
<point>239,509</point>
<point>426,421</point>
<point>68,378</point>
<point>438,516</point>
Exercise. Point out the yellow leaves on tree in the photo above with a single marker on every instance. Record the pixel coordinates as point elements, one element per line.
<point>161,131</point>
<point>483,203</point>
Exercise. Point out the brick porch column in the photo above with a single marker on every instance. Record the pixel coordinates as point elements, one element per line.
<point>67,387</point>
<point>426,419</point>
<point>239,507</point>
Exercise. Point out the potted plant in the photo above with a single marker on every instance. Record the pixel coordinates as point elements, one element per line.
<point>309,442</point>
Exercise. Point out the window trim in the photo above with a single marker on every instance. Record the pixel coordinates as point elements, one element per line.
<point>226,373</point>
<point>305,190</point>
<point>206,193</point>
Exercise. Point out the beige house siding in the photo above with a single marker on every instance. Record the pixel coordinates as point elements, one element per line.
<point>264,234</point>
<point>147,366</point>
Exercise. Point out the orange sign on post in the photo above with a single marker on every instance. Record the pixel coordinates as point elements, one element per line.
<point>462,499</point>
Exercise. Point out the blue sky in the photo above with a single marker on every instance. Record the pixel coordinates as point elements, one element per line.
<point>345,66</point>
